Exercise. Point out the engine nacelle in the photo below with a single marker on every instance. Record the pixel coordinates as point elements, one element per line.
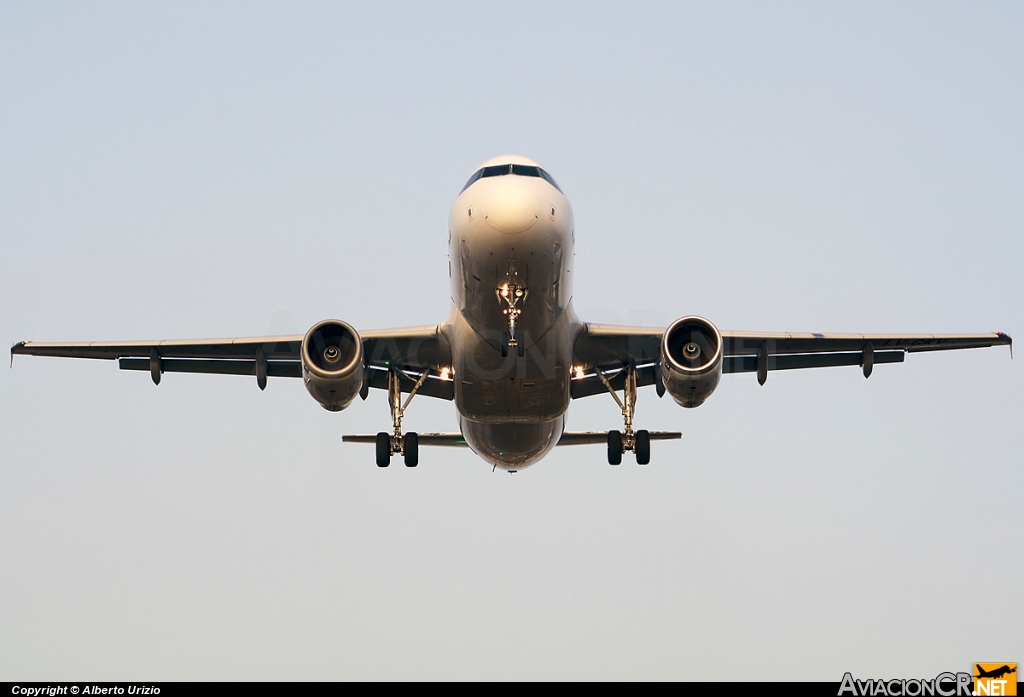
<point>332,363</point>
<point>691,360</point>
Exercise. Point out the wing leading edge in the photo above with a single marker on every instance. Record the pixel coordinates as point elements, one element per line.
<point>412,351</point>
<point>611,347</point>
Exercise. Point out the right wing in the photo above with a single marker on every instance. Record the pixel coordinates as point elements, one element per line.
<point>412,351</point>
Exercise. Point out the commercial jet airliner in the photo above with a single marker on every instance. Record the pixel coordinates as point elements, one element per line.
<point>512,353</point>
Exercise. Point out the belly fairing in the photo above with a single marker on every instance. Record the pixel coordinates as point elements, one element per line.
<point>512,446</point>
<point>491,388</point>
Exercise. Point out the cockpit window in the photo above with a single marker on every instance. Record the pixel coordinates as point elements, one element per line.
<point>479,173</point>
<point>495,170</point>
<point>550,180</point>
<point>526,170</point>
<point>519,170</point>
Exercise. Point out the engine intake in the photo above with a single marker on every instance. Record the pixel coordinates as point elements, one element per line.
<point>332,363</point>
<point>691,360</point>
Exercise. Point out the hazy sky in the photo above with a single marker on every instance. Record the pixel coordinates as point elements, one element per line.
<point>204,170</point>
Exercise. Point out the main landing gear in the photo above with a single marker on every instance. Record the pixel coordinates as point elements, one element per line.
<point>390,443</point>
<point>639,442</point>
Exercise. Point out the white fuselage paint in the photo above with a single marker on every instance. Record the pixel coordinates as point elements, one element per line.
<point>506,232</point>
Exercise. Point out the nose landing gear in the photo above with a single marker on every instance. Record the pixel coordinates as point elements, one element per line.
<point>512,296</point>
<point>390,443</point>
<point>639,442</point>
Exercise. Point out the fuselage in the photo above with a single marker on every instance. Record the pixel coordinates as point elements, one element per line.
<point>511,327</point>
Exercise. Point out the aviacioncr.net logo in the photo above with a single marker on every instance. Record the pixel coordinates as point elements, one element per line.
<point>942,685</point>
<point>995,679</point>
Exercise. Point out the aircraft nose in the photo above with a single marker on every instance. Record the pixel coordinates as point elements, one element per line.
<point>515,209</point>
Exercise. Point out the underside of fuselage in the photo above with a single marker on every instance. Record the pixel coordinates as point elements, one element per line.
<point>512,326</point>
<point>512,446</point>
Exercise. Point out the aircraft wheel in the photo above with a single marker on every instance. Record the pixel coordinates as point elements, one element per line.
<point>383,449</point>
<point>643,447</point>
<point>504,345</point>
<point>521,346</point>
<point>411,445</point>
<point>614,448</point>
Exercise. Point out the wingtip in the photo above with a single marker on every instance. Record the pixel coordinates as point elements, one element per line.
<point>14,350</point>
<point>1006,339</point>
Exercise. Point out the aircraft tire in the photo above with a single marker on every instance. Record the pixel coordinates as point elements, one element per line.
<point>614,448</point>
<point>411,445</point>
<point>504,345</point>
<point>383,449</point>
<point>643,447</point>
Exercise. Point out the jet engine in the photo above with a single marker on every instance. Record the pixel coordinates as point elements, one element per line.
<point>691,360</point>
<point>332,363</point>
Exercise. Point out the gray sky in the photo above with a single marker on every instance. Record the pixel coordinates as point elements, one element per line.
<point>199,170</point>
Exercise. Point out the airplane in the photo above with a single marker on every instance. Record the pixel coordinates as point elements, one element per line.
<point>996,673</point>
<point>512,354</point>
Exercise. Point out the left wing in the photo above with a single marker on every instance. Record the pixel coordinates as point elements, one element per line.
<point>610,347</point>
<point>412,351</point>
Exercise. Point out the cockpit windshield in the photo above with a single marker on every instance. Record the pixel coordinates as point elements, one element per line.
<point>519,170</point>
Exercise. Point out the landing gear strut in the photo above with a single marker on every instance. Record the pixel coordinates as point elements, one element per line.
<point>639,442</point>
<point>390,443</point>
<point>510,297</point>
